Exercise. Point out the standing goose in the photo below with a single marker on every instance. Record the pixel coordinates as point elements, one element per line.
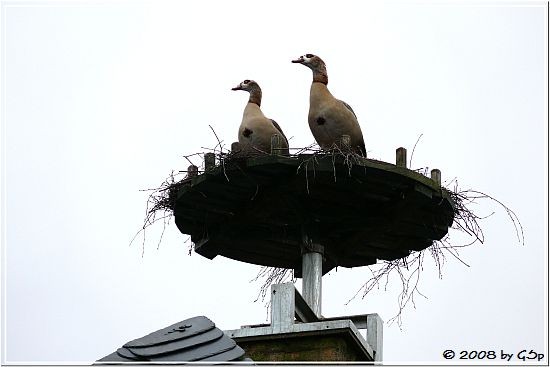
<point>329,118</point>
<point>256,130</point>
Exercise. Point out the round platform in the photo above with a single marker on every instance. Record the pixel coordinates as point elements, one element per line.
<point>256,210</point>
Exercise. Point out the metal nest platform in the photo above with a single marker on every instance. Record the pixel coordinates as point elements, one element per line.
<point>270,209</point>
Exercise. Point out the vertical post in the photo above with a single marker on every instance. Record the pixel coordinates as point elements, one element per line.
<point>401,157</point>
<point>235,147</point>
<point>346,141</point>
<point>312,276</point>
<point>192,171</point>
<point>209,161</point>
<point>312,267</point>
<point>282,307</point>
<point>436,176</point>
<point>375,336</point>
<point>275,144</point>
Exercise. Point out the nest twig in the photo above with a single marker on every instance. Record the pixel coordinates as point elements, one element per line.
<point>161,200</point>
<point>272,276</point>
<point>409,269</point>
<point>160,206</point>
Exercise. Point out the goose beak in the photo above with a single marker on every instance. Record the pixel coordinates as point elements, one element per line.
<point>238,87</point>
<point>298,61</point>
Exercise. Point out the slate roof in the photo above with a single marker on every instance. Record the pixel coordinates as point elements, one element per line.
<point>194,339</point>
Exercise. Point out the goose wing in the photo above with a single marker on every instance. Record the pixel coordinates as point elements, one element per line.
<point>279,129</point>
<point>348,107</point>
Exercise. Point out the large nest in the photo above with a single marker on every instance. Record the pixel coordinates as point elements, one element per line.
<point>162,201</point>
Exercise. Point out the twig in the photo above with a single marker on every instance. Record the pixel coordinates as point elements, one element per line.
<point>410,268</point>
<point>411,159</point>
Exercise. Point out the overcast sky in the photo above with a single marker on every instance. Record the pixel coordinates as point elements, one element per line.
<point>103,99</point>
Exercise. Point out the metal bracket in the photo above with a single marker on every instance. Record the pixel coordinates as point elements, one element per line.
<point>287,304</point>
<point>374,325</point>
<point>312,266</point>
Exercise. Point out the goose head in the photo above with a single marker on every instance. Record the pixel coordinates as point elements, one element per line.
<point>247,85</point>
<point>312,61</point>
<point>316,64</point>
<point>253,88</point>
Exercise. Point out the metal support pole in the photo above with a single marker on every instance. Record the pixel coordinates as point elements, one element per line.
<point>312,267</point>
<point>312,275</point>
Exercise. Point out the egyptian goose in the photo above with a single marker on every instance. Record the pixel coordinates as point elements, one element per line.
<point>329,118</point>
<point>256,130</point>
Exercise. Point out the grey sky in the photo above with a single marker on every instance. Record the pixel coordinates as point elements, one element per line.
<point>102,99</point>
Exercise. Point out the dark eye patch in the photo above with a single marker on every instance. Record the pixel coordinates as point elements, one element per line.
<point>309,56</point>
<point>246,81</point>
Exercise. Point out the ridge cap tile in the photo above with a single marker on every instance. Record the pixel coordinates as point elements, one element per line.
<point>193,339</point>
<point>124,352</point>
<point>180,330</point>
<point>113,358</point>
<point>178,345</point>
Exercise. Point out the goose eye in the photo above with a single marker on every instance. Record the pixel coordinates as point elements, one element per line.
<point>309,56</point>
<point>246,81</point>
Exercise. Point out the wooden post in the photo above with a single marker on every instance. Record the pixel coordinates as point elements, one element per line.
<point>436,176</point>
<point>192,171</point>
<point>275,144</point>
<point>209,161</point>
<point>346,141</point>
<point>401,157</point>
<point>236,147</point>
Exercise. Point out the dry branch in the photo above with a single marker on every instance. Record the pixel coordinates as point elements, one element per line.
<point>409,269</point>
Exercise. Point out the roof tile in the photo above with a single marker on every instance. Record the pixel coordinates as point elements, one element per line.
<point>180,330</point>
<point>194,339</point>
